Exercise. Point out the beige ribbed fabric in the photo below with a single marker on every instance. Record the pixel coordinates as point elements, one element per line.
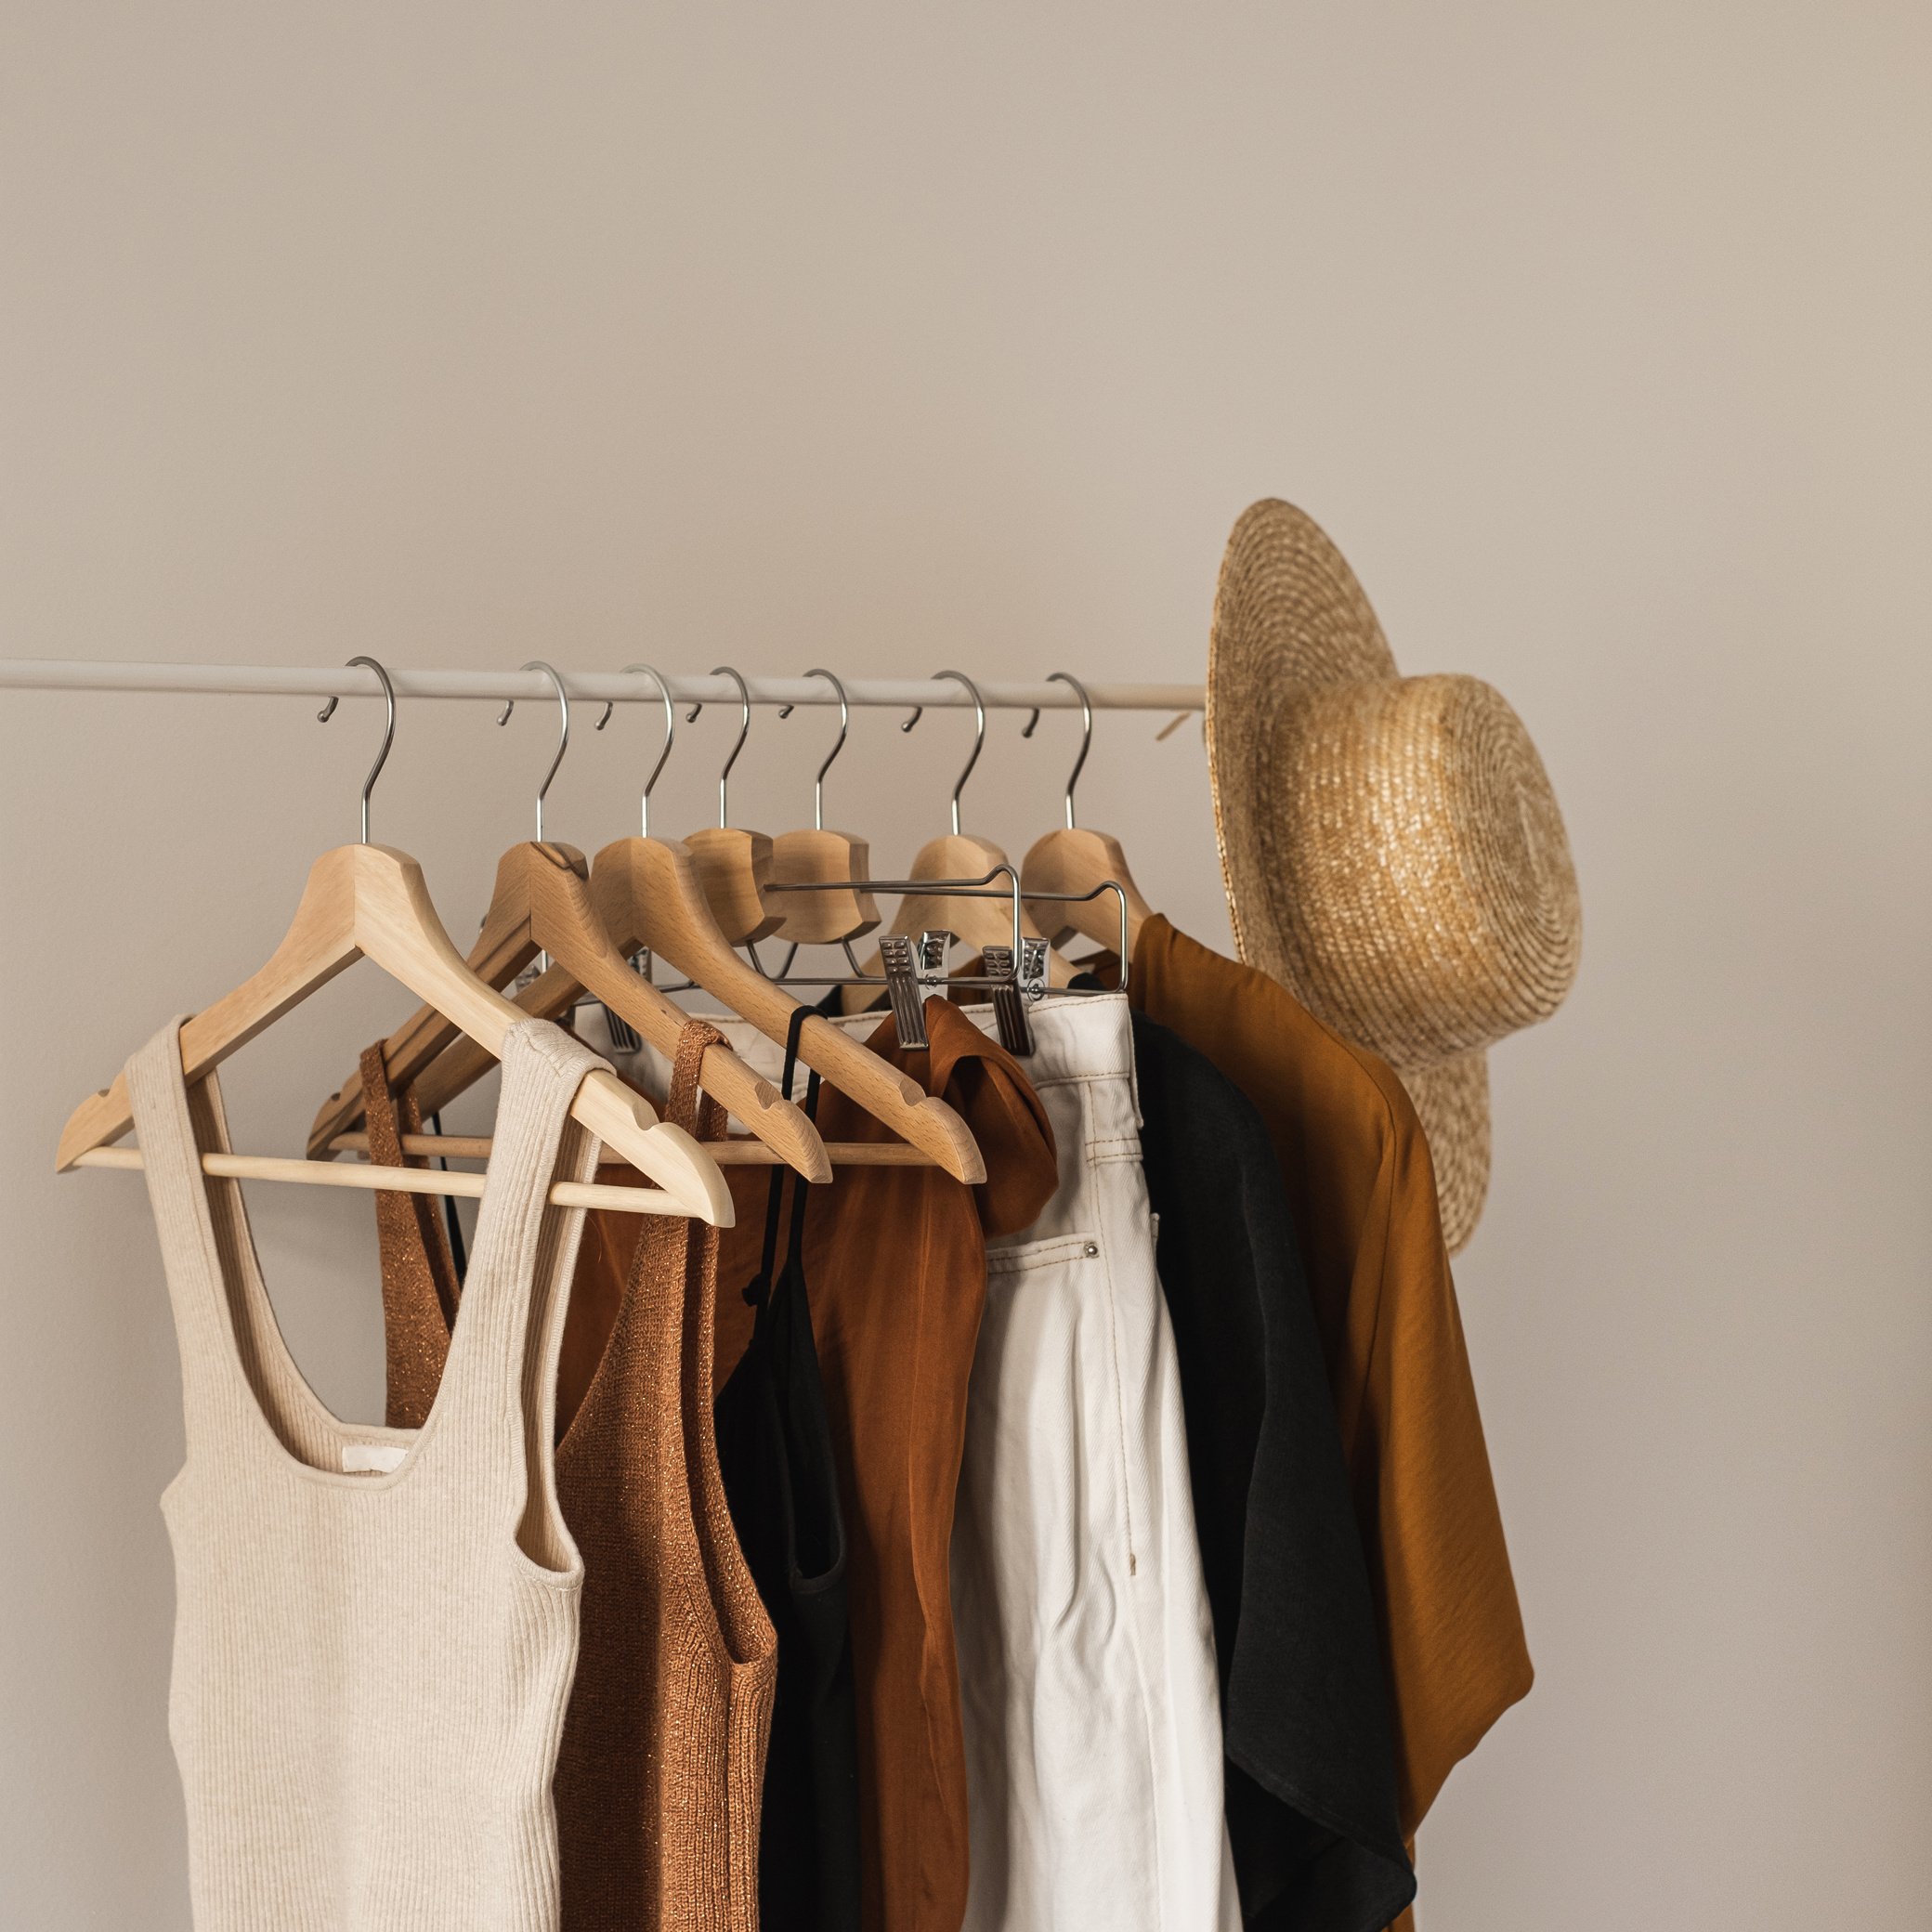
<point>371,1669</point>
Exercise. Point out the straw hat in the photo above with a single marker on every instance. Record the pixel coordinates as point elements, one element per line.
<point>1391,847</point>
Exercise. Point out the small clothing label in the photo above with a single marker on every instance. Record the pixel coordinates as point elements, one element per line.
<point>373,1458</point>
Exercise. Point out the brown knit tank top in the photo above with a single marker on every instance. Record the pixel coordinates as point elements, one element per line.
<point>661,1768</point>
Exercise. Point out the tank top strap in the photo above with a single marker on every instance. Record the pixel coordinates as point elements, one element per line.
<point>177,1192</point>
<point>741,1620</point>
<point>500,1377</point>
<point>758,1293</point>
<point>420,1287</point>
<point>703,1118</point>
<point>641,1367</point>
<point>688,1105</point>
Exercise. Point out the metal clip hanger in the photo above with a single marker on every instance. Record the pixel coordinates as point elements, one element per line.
<point>1066,871</point>
<point>950,875</point>
<point>1015,973</point>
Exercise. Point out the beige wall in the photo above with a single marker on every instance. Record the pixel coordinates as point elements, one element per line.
<point>892,337</point>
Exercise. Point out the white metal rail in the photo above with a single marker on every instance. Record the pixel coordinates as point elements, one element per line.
<point>597,686</point>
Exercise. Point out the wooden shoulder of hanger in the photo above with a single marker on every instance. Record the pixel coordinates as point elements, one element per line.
<point>1077,862</point>
<point>648,895</point>
<point>373,901</point>
<point>649,886</point>
<point>822,857</point>
<point>542,904</point>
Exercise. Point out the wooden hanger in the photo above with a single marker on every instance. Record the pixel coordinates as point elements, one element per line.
<point>542,904</point>
<point>1081,864</point>
<point>733,866</point>
<point>648,895</point>
<point>371,901</point>
<point>823,858</point>
<point>647,889</point>
<point>977,923</point>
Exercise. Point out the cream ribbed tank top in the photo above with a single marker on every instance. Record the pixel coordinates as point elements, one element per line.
<point>375,1629</point>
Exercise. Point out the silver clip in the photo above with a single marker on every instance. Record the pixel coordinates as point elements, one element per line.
<point>929,959</point>
<point>1009,1008</point>
<point>1033,968</point>
<point>901,989</point>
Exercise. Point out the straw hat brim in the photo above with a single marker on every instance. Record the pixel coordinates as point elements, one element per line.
<point>1451,1101</point>
<point>1289,616</point>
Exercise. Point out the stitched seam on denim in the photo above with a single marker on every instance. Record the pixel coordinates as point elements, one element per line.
<point>1127,1487</point>
<point>1050,1253</point>
<point>1113,1147</point>
<point>1087,1078</point>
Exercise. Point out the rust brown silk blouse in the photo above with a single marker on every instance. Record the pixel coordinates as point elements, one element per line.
<point>896,1260</point>
<point>1359,1179</point>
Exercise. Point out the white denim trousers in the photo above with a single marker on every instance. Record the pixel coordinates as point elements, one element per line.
<point>1093,1718</point>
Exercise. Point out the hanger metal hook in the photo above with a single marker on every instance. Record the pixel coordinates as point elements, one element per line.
<point>563,731</point>
<point>744,731</point>
<point>979,742</point>
<point>844,725</point>
<point>1079,691</point>
<point>657,677</point>
<point>382,757</point>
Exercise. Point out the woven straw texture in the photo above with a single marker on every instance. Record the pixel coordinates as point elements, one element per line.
<point>1451,1101</point>
<point>1391,846</point>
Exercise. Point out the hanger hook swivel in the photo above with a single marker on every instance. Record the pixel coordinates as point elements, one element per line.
<point>744,731</point>
<point>844,725</point>
<point>563,731</point>
<point>979,742</point>
<point>657,677</point>
<point>1079,691</point>
<point>382,757</point>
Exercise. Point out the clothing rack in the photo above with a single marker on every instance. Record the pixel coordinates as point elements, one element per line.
<point>597,686</point>
<point>1012,973</point>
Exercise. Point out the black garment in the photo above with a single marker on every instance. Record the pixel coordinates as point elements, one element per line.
<point>775,1451</point>
<point>1310,1770</point>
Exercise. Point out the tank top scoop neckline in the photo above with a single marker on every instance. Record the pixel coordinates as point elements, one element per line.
<point>317,1561</point>
<point>662,1767</point>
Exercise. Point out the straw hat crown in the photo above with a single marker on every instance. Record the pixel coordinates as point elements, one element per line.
<point>1391,846</point>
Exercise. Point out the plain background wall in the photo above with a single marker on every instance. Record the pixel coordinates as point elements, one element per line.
<point>892,337</point>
